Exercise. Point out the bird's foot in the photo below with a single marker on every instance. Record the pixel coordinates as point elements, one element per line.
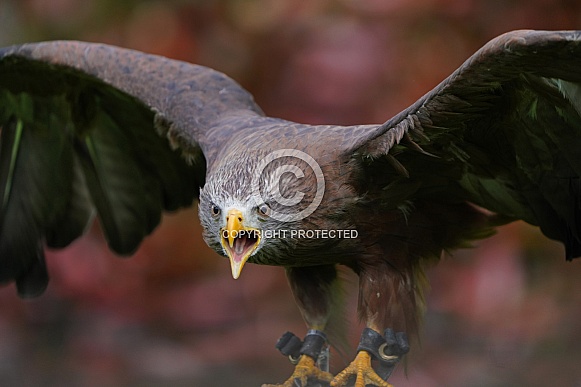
<point>387,351</point>
<point>308,371</point>
<point>305,371</point>
<point>364,373</point>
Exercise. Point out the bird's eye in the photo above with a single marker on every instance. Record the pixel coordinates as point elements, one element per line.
<point>215,210</point>
<point>263,209</point>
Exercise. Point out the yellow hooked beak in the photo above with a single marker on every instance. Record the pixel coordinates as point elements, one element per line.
<point>238,241</point>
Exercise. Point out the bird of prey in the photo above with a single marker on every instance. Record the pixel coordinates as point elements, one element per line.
<point>90,130</point>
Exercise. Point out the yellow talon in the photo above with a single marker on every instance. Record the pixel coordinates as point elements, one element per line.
<point>304,370</point>
<point>361,367</point>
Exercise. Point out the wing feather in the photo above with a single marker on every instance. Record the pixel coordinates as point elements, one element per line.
<point>90,129</point>
<point>127,211</point>
<point>509,120</point>
<point>33,195</point>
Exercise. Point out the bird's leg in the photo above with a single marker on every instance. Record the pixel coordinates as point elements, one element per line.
<point>313,291</point>
<point>315,345</point>
<point>386,350</point>
<point>390,352</point>
<point>381,295</point>
<point>305,355</point>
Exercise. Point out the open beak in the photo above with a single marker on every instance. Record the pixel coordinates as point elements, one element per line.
<point>238,241</point>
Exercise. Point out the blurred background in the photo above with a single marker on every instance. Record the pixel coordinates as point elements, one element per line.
<point>505,314</point>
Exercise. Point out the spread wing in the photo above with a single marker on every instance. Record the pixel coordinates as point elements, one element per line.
<point>503,131</point>
<point>86,130</point>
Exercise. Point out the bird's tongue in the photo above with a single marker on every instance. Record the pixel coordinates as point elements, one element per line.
<point>239,245</point>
